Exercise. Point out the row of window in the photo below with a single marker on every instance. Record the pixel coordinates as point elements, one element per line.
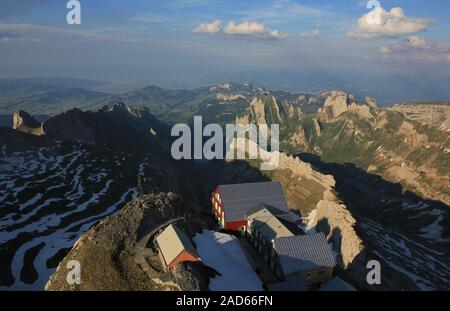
<point>218,198</point>
<point>217,207</point>
<point>261,244</point>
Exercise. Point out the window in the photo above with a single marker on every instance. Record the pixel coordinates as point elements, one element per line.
<point>217,196</point>
<point>321,272</point>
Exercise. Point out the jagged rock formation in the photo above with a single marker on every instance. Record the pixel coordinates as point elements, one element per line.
<point>339,225</point>
<point>337,103</point>
<point>118,125</point>
<point>261,106</point>
<point>385,142</point>
<point>362,111</point>
<point>303,169</point>
<point>24,122</point>
<point>298,138</point>
<point>317,127</point>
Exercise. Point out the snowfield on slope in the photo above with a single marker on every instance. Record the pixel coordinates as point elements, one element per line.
<point>224,253</point>
<point>47,204</point>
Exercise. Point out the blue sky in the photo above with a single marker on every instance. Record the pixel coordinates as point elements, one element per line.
<point>291,44</point>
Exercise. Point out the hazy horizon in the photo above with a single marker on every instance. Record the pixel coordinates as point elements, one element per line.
<point>299,46</point>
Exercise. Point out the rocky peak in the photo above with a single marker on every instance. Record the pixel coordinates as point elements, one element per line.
<point>265,109</point>
<point>336,104</point>
<point>118,125</point>
<point>24,122</point>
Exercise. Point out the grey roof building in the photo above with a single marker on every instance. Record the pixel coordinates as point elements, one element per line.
<point>239,199</point>
<point>268,225</point>
<point>303,253</point>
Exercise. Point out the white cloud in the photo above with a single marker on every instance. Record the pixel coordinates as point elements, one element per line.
<point>418,49</point>
<point>214,27</point>
<point>252,29</point>
<point>242,29</point>
<point>416,42</point>
<point>310,34</point>
<point>393,23</point>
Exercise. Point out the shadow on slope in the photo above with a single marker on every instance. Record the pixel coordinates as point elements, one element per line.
<point>408,234</point>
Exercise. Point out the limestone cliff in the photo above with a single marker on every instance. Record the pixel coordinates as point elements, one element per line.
<point>339,225</point>
<point>336,103</point>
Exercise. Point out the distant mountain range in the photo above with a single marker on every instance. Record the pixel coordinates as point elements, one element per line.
<point>49,96</point>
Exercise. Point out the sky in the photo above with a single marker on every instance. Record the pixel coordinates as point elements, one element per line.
<point>393,50</point>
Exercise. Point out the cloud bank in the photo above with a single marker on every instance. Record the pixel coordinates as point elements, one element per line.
<point>310,34</point>
<point>418,49</point>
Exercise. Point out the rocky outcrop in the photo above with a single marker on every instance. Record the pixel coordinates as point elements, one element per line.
<point>111,258</point>
<point>336,104</point>
<point>259,109</point>
<point>363,111</point>
<point>24,122</point>
<point>317,127</point>
<point>228,98</point>
<point>299,138</point>
<point>371,102</point>
<point>118,126</point>
<point>339,225</point>
<point>243,120</point>
<point>303,169</point>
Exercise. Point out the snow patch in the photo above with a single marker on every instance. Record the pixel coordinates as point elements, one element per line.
<point>224,253</point>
